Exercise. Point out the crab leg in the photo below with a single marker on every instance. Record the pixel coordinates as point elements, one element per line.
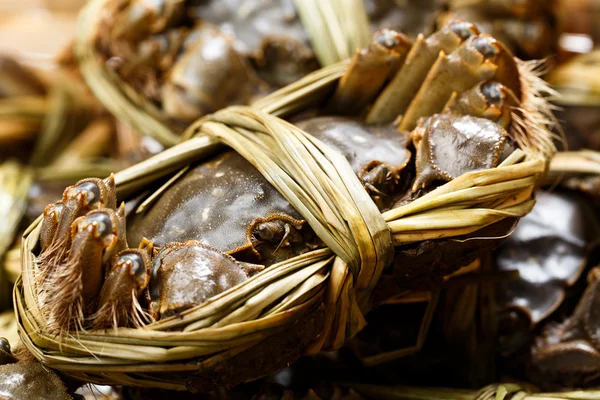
<point>79,235</point>
<point>72,286</point>
<point>369,70</point>
<point>128,278</point>
<point>397,95</point>
<point>77,200</point>
<point>491,100</point>
<point>478,59</point>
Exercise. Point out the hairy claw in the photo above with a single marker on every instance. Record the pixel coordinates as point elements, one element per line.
<point>126,281</point>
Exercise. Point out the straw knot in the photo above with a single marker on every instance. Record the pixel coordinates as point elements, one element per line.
<point>320,183</point>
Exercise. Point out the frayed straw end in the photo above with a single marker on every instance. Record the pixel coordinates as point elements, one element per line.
<point>533,120</point>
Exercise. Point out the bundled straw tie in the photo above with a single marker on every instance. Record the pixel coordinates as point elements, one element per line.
<point>311,302</point>
<point>320,183</point>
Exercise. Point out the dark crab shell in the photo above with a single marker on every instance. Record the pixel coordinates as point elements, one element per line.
<point>550,249</point>
<point>218,202</point>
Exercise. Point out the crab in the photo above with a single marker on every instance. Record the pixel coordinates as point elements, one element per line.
<point>550,254</point>
<point>27,379</point>
<point>191,58</point>
<point>567,354</point>
<point>218,222</point>
<point>90,278</point>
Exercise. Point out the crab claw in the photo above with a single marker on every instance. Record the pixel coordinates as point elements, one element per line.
<point>128,278</point>
<point>449,146</point>
<point>73,282</point>
<point>491,100</point>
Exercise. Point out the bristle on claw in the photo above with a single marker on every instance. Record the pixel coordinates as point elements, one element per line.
<point>62,299</point>
<point>533,120</point>
<point>114,314</point>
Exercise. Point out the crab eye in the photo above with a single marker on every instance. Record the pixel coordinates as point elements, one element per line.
<point>463,30</point>
<point>485,45</point>
<point>270,231</point>
<point>91,190</point>
<point>101,221</point>
<point>492,92</point>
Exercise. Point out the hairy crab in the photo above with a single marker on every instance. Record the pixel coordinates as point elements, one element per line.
<point>550,254</point>
<point>567,354</point>
<point>219,223</point>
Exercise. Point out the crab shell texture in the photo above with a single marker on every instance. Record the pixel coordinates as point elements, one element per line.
<point>550,254</point>
<point>27,379</point>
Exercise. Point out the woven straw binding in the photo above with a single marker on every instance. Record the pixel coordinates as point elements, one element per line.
<point>283,300</point>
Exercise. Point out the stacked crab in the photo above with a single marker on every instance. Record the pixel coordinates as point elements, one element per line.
<point>421,123</point>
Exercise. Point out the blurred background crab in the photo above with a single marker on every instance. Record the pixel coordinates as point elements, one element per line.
<point>191,58</point>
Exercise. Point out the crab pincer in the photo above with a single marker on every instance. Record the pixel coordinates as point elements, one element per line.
<point>79,236</point>
<point>126,281</point>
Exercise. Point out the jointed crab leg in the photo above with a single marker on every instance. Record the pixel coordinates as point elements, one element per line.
<point>368,71</point>
<point>398,94</point>
<point>78,199</point>
<point>491,100</point>
<point>79,235</point>
<point>128,278</point>
<point>471,63</point>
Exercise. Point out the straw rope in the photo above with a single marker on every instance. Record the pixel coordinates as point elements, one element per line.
<point>320,184</point>
<point>318,181</point>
